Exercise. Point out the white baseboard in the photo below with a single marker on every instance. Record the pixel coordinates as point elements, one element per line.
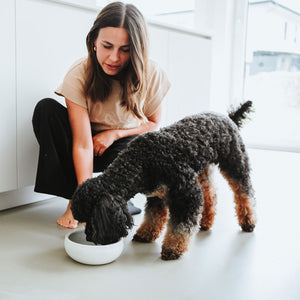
<point>21,196</point>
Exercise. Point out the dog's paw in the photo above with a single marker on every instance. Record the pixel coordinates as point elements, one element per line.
<point>204,228</point>
<point>248,227</point>
<point>143,239</point>
<point>170,254</point>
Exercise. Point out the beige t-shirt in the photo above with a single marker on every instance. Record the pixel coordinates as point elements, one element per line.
<point>110,114</point>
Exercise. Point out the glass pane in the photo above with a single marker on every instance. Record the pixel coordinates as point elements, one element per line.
<point>272,73</point>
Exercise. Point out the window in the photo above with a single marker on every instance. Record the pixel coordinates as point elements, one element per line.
<point>272,73</point>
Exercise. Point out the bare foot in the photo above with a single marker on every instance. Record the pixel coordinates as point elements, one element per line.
<point>67,220</point>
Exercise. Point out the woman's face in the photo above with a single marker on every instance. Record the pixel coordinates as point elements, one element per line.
<point>112,49</point>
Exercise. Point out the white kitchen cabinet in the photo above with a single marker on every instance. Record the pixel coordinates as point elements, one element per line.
<point>189,69</point>
<point>8,163</point>
<point>186,57</point>
<point>159,52</point>
<point>50,37</point>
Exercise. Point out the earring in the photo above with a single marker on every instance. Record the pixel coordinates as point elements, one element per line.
<point>95,48</point>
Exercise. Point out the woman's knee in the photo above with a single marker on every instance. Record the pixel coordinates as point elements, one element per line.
<point>46,105</point>
<point>50,118</point>
<point>44,109</point>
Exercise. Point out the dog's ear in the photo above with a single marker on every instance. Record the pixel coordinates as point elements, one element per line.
<point>84,198</point>
<point>128,220</point>
<point>109,220</point>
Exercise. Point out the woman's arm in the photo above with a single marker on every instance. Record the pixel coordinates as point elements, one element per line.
<point>104,139</point>
<point>150,125</point>
<point>82,141</point>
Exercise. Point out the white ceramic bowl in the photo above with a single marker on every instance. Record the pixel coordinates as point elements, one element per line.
<point>78,248</point>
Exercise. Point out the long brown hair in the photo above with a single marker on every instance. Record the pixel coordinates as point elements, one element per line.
<point>98,84</point>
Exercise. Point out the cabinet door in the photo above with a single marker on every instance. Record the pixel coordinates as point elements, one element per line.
<point>190,73</point>
<point>187,60</point>
<point>50,37</point>
<point>8,168</point>
<point>159,48</point>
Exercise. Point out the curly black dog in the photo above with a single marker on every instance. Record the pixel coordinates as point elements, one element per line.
<point>172,167</point>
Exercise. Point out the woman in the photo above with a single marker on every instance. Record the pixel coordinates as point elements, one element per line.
<point>111,96</point>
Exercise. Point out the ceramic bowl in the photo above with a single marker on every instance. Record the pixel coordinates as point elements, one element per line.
<point>79,249</point>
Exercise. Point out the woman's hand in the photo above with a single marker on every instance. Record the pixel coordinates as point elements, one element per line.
<point>106,138</point>
<point>103,140</point>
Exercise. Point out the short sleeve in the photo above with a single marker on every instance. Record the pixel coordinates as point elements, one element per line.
<point>158,87</point>
<point>72,86</point>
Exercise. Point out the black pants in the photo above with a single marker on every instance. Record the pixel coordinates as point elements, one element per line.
<point>55,171</point>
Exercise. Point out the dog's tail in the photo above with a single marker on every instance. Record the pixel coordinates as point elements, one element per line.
<point>239,114</point>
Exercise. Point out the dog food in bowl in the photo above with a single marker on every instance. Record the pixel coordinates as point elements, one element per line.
<point>79,249</point>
